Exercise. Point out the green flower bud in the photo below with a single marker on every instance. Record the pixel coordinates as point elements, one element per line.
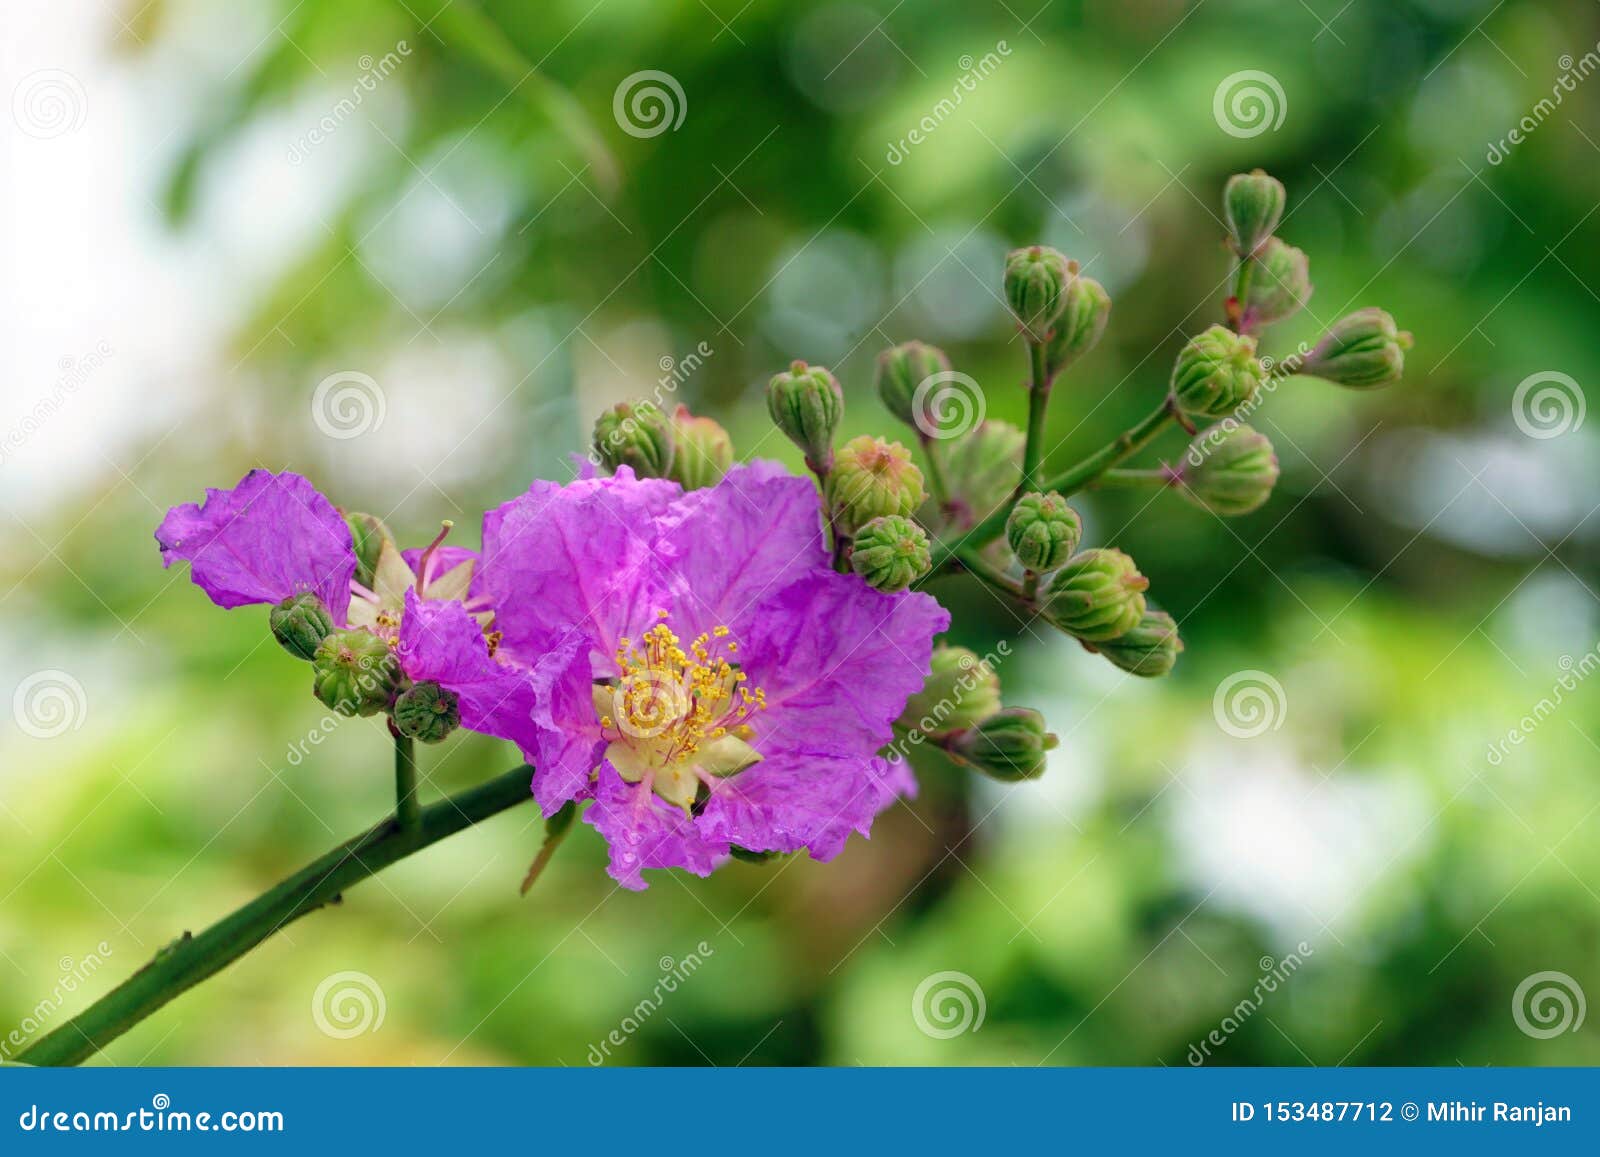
<point>1253,205</point>
<point>1082,322</point>
<point>1216,373</point>
<point>901,371</point>
<point>704,451</point>
<point>299,623</point>
<point>426,711</point>
<point>891,553</point>
<point>871,479</point>
<point>1279,286</point>
<point>960,692</point>
<point>1036,287</point>
<point>1043,531</point>
<point>354,672</point>
<point>1009,746</point>
<point>806,404</point>
<point>636,434</point>
<point>1362,351</point>
<point>1229,470</point>
<point>982,469</point>
<point>367,534</point>
<point>1150,649</point>
<point>1097,596</point>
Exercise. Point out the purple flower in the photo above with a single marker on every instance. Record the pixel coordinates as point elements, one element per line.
<point>700,672</point>
<point>274,536</point>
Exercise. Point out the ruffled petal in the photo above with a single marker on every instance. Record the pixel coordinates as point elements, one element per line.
<point>838,660</point>
<point>733,544</point>
<point>644,831</point>
<point>439,641</point>
<point>574,560</point>
<point>268,538</point>
<point>568,743</point>
<point>789,802</point>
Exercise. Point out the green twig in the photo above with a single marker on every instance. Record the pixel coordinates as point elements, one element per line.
<point>1038,406</point>
<point>407,810</point>
<point>191,959</point>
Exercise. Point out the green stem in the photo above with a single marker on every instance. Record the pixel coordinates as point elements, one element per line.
<point>936,482</point>
<point>1030,585</point>
<point>1038,404</point>
<point>191,959</point>
<point>1241,289</point>
<point>1134,479</point>
<point>407,811</point>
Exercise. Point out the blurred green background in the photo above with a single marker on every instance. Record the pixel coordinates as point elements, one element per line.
<point>478,233</point>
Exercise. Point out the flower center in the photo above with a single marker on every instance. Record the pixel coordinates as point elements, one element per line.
<point>678,717</point>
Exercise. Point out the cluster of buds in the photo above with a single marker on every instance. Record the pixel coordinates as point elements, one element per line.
<point>960,711</point>
<point>354,672</point>
<point>898,515</point>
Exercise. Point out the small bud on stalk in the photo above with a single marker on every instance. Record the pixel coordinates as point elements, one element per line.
<point>1281,285</point>
<point>1036,285</point>
<point>901,371</point>
<point>426,711</point>
<point>300,623</point>
<point>1097,596</point>
<point>891,553</point>
<point>1043,531</point>
<point>636,434</point>
<point>354,673</point>
<point>1216,373</point>
<point>367,535</point>
<point>1229,470</point>
<point>1363,351</point>
<point>1149,650</point>
<point>704,450</point>
<point>1009,746</point>
<point>961,692</point>
<point>1082,322</point>
<point>983,467</point>
<point>871,479</point>
<point>1253,205</point>
<point>806,403</point>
